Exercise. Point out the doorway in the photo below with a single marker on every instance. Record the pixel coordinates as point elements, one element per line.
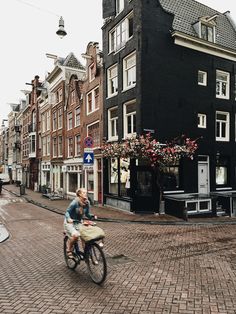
<point>203,175</point>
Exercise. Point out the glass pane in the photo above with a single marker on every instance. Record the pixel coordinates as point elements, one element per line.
<point>124,176</point>
<point>221,175</point>
<point>144,183</point>
<point>113,181</point>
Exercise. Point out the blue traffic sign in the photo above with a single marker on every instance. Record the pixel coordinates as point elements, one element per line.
<point>88,158</point>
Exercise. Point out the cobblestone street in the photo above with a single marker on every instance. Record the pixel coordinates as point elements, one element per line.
<point>188,269</point>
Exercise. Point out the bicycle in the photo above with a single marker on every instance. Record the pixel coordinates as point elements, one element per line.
<point>92,255</point>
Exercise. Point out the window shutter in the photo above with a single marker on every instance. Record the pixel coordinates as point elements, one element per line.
<point>108,8</point>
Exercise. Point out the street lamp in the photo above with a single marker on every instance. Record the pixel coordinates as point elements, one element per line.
<point>61,31</point>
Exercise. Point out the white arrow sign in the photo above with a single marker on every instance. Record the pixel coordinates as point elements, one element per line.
<point>89,158</point>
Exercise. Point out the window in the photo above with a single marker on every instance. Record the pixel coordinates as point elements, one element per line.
<point>60,118</point>
<point>32,142</point>
<point>96,98</point>
<point>48,145</point>
<point>91,70</point>
<point>207,32</point>
<point>73,98</point>
<point>70,147</point>
<point>112,81</point>
<point>113,123</point>
<point>69,121</point>
<point>129,119</point>
<point>60,146</point>
<point>221,170</point>
<point>170,178</point>
<point>202,78</point>
<point>201,120</point>
<point>94,132</point>
<point>48,120</point>
<point>221,175</point>
<point>54,147</point>
<point>59,95</point>
<point>77,145</point>
<point>44,146</point>
<point>119,6</point>
<point>93,100</point>
<point>90,177</point>
<point>77,116</point>
<point>119,35</point>
<point>54,121</point>
<point>43,122</point>
<point>129,71</point>
<point>222,126</point>
<point>222,84</point>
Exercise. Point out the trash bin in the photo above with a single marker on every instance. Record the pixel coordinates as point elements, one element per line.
<point>22,189</point>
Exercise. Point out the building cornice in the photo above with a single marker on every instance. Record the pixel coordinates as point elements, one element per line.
<point>201,45</point>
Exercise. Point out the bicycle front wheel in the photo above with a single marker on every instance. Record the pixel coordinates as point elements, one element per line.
<point>96,263</point>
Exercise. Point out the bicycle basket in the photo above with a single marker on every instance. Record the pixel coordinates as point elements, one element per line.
<point>89,232</point>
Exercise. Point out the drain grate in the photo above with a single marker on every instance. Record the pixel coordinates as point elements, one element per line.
<point>118,259</point>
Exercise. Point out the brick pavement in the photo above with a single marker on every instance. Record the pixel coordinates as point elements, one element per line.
<point>152,269</point>
<point>108,213</point>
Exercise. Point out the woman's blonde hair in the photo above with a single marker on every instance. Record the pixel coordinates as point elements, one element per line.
<point>79,191</point>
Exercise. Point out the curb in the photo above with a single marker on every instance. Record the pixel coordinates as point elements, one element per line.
<point>148,222</point>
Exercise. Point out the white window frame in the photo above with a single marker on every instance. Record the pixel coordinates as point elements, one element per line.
<point>202,120</point>
<point>126,117</point>
<point>93,109</point>
<point>120,34</point>
<point>112,125</point>
<point>129,71</point>
<point>112,80</point>
<point>204,78</point>
<point>78,147</point>
<point>77,114</point>
<point>223,125</point>
<point>91,72</point>
<point>69,119</point>
<point>221,81</point>
<point>208,26</point>
<point>120,4</point>
<point>88,133</point>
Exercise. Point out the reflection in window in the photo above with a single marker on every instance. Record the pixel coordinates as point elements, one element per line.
<point>144,183</point>
<point>113,174</point>
<point>170,178</point>
<point>124,177</point>
<point>73,182</point>
<point>221,175</point>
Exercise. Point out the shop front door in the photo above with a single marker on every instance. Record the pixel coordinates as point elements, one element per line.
<point>146,194</point>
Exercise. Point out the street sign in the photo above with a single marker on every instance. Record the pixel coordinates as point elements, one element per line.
<point>88,142</point>
<point>88,158</point>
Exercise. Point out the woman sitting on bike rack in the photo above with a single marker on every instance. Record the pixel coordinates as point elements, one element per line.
<point>77,209</point>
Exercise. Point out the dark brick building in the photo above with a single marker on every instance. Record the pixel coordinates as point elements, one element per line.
<point>170,70</point>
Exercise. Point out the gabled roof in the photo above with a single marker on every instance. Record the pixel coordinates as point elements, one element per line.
<point>72,62</point>
<point>188,12</point>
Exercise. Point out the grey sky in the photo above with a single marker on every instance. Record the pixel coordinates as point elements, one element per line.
<point>28,33</point>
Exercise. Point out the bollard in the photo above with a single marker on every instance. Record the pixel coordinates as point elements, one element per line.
<point>185,214</point>
<point>22,189</point>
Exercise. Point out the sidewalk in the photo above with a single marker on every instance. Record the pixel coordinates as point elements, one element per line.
<point>105,213</point>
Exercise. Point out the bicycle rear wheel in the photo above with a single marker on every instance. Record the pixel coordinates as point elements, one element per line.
<point>96,263</point>
<point>70,262</point>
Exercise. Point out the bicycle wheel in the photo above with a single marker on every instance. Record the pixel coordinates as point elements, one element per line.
<point>96,263</point>
<point>70,262</point>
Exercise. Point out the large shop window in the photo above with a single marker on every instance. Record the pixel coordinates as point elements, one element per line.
<point>90,181</point>
<point>73,182</point>
<point>221,171</point>
<point>170,178</point>
<point>119,176</point>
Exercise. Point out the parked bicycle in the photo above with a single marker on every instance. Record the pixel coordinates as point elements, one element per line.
<point>92,255</point>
